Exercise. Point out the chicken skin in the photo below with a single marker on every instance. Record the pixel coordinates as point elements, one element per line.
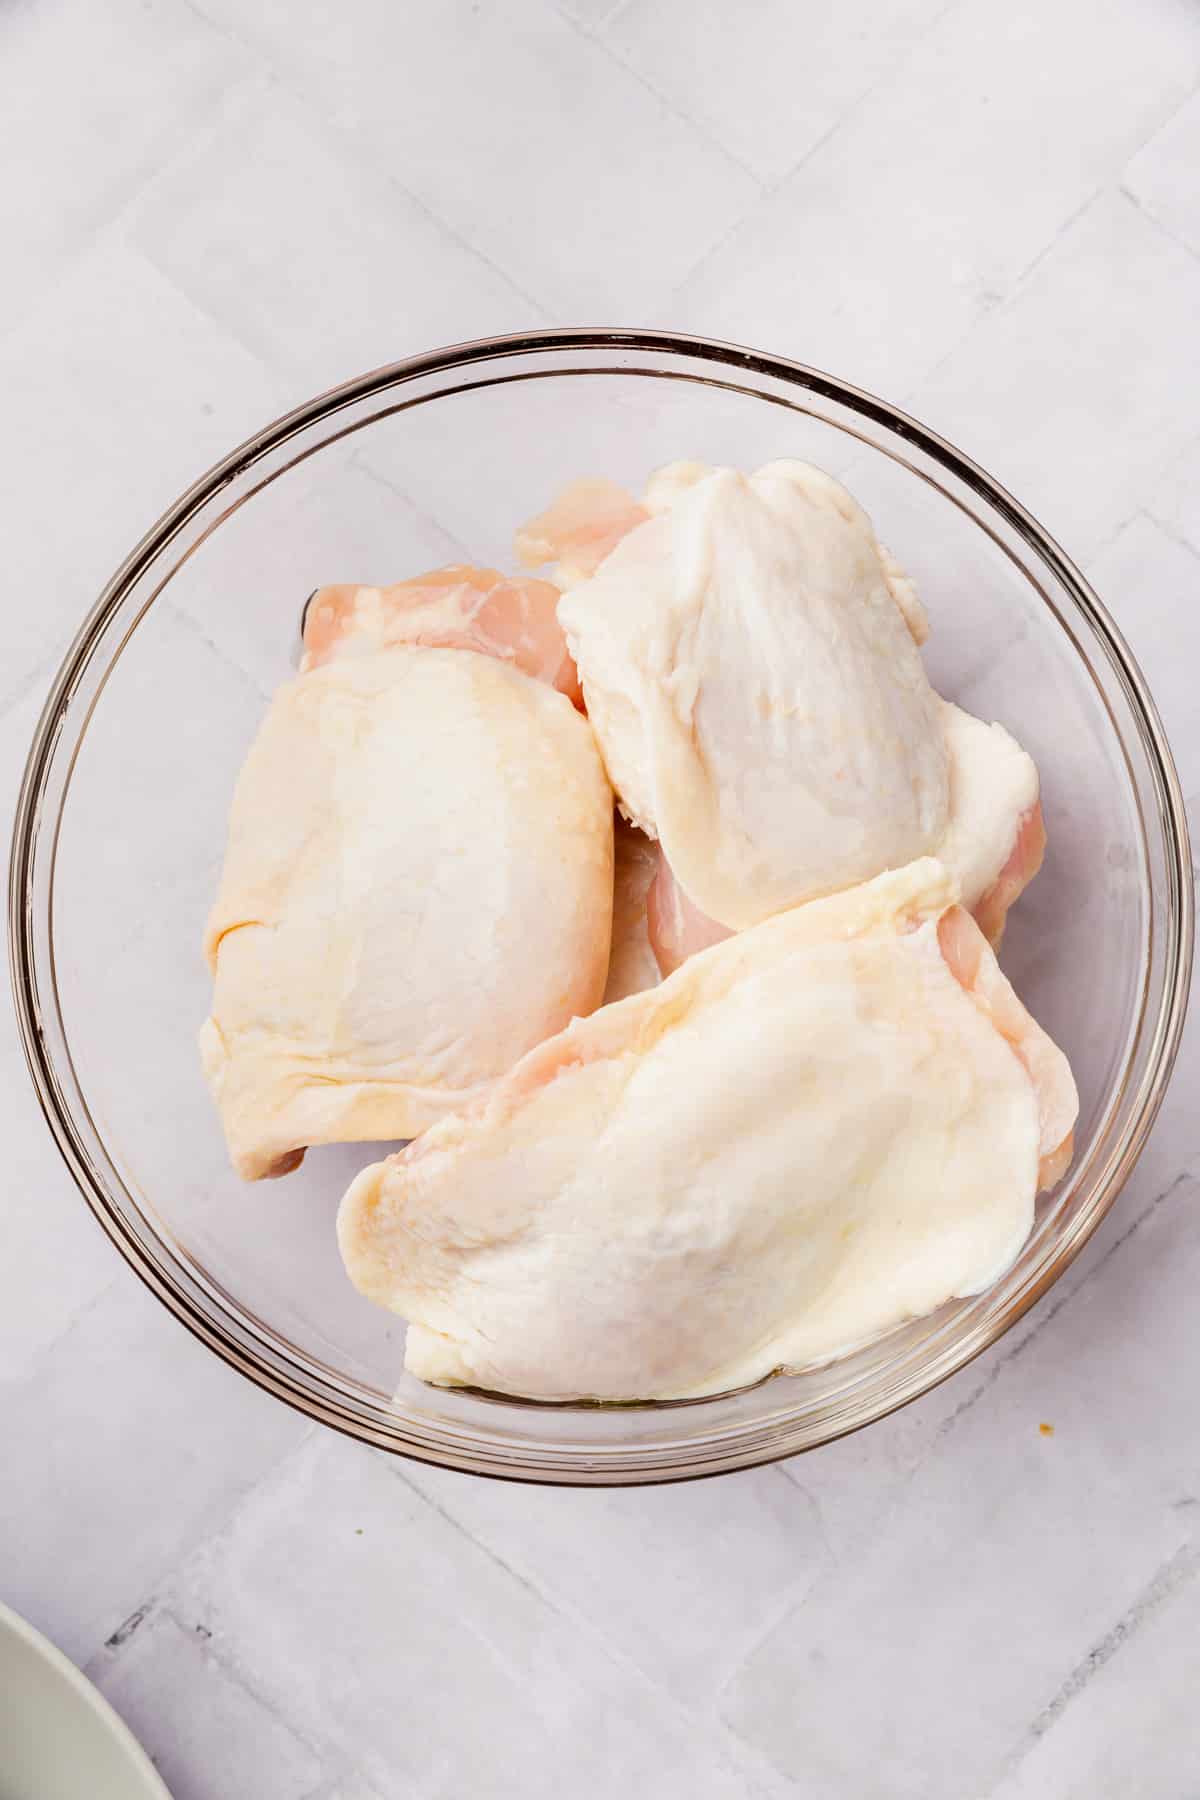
<point>749,654</point>
<point>418,880</point>
<point>832,1122</point>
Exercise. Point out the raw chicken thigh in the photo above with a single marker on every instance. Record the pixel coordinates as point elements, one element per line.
<point>830,1123</point>
<point>759,700</point>
<point>418,881</point>
<point>831,1116</point>
<point>749,659</point>
<point>993,803</point>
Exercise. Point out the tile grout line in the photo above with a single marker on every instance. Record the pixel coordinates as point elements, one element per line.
<point>998,304</point>
<point>695,125</point>
<point>295,88</point>
<point>39,680</point>
<point>1107,543</point>
<point>1115,187</point>
<point>160,1598</point>
<point>950,1423</point>
<point>1179,1569</point>
<point>1169,530</point>
<point>735,1749</point>
<point>108,1659</point>
<point>775,186</point>
<point>792,1602</point>
<point>615,9</point>
<point>196,628</point>
<point>231,1667</point>
<point>1151,219</point>
<point>283,368</point>
<point>369,472</point>
<point>47,1349</point>
<point>861,100</point>
<point>108,220</point>
<point>1027,270</point>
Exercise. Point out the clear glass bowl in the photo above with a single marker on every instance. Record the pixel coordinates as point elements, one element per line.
<point>121,826</point>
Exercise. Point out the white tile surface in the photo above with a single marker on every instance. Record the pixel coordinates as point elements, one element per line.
<point>307,281</point>
<point>988,213</point>
<point>990,1561</point>
<point>201,1726</point>
<point>1125,1723</point>
<point>119,390</point>
<point>597,198</point>
<point>685,1634</point>
<point>1162,176</point>
<point>1174,497</point>
<point>1150,581</point>
<point>921,211</point>
<point>591,13</point>
<point>738,70</point>
<point>1075,406</point>
<point>140,1441</point>
<point>75,146</point>
<point>410,1627</point>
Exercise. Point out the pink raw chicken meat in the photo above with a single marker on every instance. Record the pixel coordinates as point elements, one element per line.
<point>830,1123</point>
<point>677,929</point>
<point>459,607</point>
<point>577,531</point>
<point>977,791</point>
<point>418,882</point>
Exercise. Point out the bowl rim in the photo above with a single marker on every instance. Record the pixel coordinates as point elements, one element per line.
<point>764,1447</point>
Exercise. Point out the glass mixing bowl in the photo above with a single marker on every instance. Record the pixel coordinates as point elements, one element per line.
<point>121,824</point>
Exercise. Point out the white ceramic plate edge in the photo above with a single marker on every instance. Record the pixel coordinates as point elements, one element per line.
<point>73,1697</point>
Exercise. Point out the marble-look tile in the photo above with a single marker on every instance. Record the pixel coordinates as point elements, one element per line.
<point>1151,584</point>
<point>418,1652</point>
<point>926,204</point>
<point>139,1441</point>
<point>1124,1720</point>
<point>523,136</point>
<point>1011,1553</point>
<point>769,78</point>
<point>202,1729</point>
<point>93,99</point>
<point>1162,176</point>
<point>1075,406</point>
<point>316,259</point>
<point>1173,496</point>
<point>638,1580</point>
<point>118,392</point>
